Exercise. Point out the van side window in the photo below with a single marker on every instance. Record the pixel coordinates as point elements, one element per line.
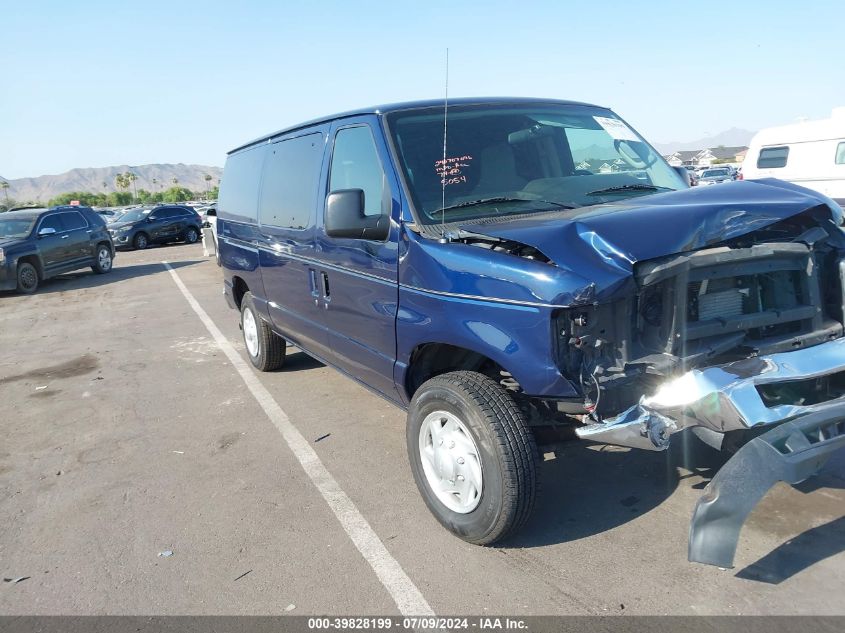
<point>772,157</point>
<point>355,165</point>
<point>238,197</point>
<point>289,182</point>
<point>840,154</point>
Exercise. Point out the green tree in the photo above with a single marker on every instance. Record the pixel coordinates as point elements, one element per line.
<point>144,196</point>
<point>214,193</point>
<point>120,181</point>
<point>119,198</point>
<point>5,186</point>
<point>84,197</point>
<point>207,179</point>
<point>131,178</point>
<point>177,194</point>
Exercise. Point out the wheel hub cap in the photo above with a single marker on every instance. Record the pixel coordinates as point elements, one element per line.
<point>105,259</point>
<point>250,333</point>
<point>451,461</point>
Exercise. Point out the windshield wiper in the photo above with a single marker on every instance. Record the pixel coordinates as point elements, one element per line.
<point>473,203</point>
<point>629,187</point>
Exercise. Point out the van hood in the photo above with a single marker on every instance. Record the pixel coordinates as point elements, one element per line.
<point>604,242</point>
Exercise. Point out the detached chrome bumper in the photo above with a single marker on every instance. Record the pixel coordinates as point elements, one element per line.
<point>722,398</point>
<point>791,452</point>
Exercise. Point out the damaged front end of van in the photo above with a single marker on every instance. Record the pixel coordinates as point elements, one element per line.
<point>737,333</point>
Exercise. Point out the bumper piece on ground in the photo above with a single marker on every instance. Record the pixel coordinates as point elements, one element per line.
<point>791,452</point>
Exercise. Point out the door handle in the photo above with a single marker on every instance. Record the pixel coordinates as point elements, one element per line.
<point>64,237</point>
<point>324,278</point>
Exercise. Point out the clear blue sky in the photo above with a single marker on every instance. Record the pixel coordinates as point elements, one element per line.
<point>91,83</point>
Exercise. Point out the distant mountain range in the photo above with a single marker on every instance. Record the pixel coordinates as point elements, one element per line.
<point>735,137</point>
<point>42,188</point>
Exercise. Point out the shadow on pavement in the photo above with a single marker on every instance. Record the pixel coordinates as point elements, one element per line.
<point>797,554</point>
<point>589,489</point>
<point>89,279</point>
<point>297,360</point>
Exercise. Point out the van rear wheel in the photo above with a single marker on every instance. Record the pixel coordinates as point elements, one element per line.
<point>265,348</point>
<point>472,455</point>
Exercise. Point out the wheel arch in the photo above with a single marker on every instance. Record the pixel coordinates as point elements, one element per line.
<point>428,360</point>
<point>239,289</point>
<point>35,260</point>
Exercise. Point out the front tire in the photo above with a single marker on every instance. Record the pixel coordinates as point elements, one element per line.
<point>265,348</point>
<point>141,241</point>
<point>472,455</point>
<point>103,260</point>
<point>27,278</point>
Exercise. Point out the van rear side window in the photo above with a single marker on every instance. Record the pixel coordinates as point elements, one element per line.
<point>840,154</point>
<point>289,182</point>
<point>238,199</point>
<point>772,157</point>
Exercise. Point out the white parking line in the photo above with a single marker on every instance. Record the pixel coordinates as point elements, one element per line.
<point>403,591</point>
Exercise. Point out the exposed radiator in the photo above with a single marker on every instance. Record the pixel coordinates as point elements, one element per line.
<point>725,303</point>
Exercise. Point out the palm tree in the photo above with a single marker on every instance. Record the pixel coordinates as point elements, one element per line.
<point>130,177</point>
<point>120,181</point>
<point>207,179</point>
<point>175,181</point>
<point>5,186</point>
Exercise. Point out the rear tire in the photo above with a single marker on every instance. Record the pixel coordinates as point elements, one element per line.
<point>141,241</point>
<point>502,446</point>
<point>27,278</point>
<point>191,235</point>
<point>103,260</point>
<point>265,348</point>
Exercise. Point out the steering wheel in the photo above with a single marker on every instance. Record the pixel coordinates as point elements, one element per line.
<point>629,155</point>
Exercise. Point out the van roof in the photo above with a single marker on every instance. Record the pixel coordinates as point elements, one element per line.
<point>816,130</point>
<point>409,105</point>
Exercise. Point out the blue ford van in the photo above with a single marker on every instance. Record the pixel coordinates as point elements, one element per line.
<point>516,271</point>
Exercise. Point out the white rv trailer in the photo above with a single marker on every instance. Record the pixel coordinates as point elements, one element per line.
<point>810,154</point>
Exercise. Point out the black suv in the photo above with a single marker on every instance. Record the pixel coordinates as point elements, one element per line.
<point>141,227</point>
<point>38,243</point>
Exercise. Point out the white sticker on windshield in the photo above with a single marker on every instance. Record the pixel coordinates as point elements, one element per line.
<point>616,128</point>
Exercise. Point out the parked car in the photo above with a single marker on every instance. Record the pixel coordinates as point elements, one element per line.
<point>170,223</point>
<point>502,290</point>
<point>715,176</point>
<point>38,243</point>
<point>693,177</point>
<point>209,220</point>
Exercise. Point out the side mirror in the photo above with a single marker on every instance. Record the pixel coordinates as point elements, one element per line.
<point>211,213</point>
<point>149,219</point>
<point>683,173</point>
<point>47,230</point>
<point>345,217</point>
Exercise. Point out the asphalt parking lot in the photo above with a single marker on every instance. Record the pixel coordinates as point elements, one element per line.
<point>127,433</point>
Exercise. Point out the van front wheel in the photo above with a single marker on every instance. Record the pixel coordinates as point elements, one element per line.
<point>265,348</point>
<point>472,455</point>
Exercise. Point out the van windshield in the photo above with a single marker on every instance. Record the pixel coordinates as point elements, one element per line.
<point>515,159</point>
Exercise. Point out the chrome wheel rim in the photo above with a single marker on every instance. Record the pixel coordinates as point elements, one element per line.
<point>28,278</point>
<point>104,259</point>
<point>250,333</point>
<point>191,237</point>
<point>141,242</point>
<point>451,461</point>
